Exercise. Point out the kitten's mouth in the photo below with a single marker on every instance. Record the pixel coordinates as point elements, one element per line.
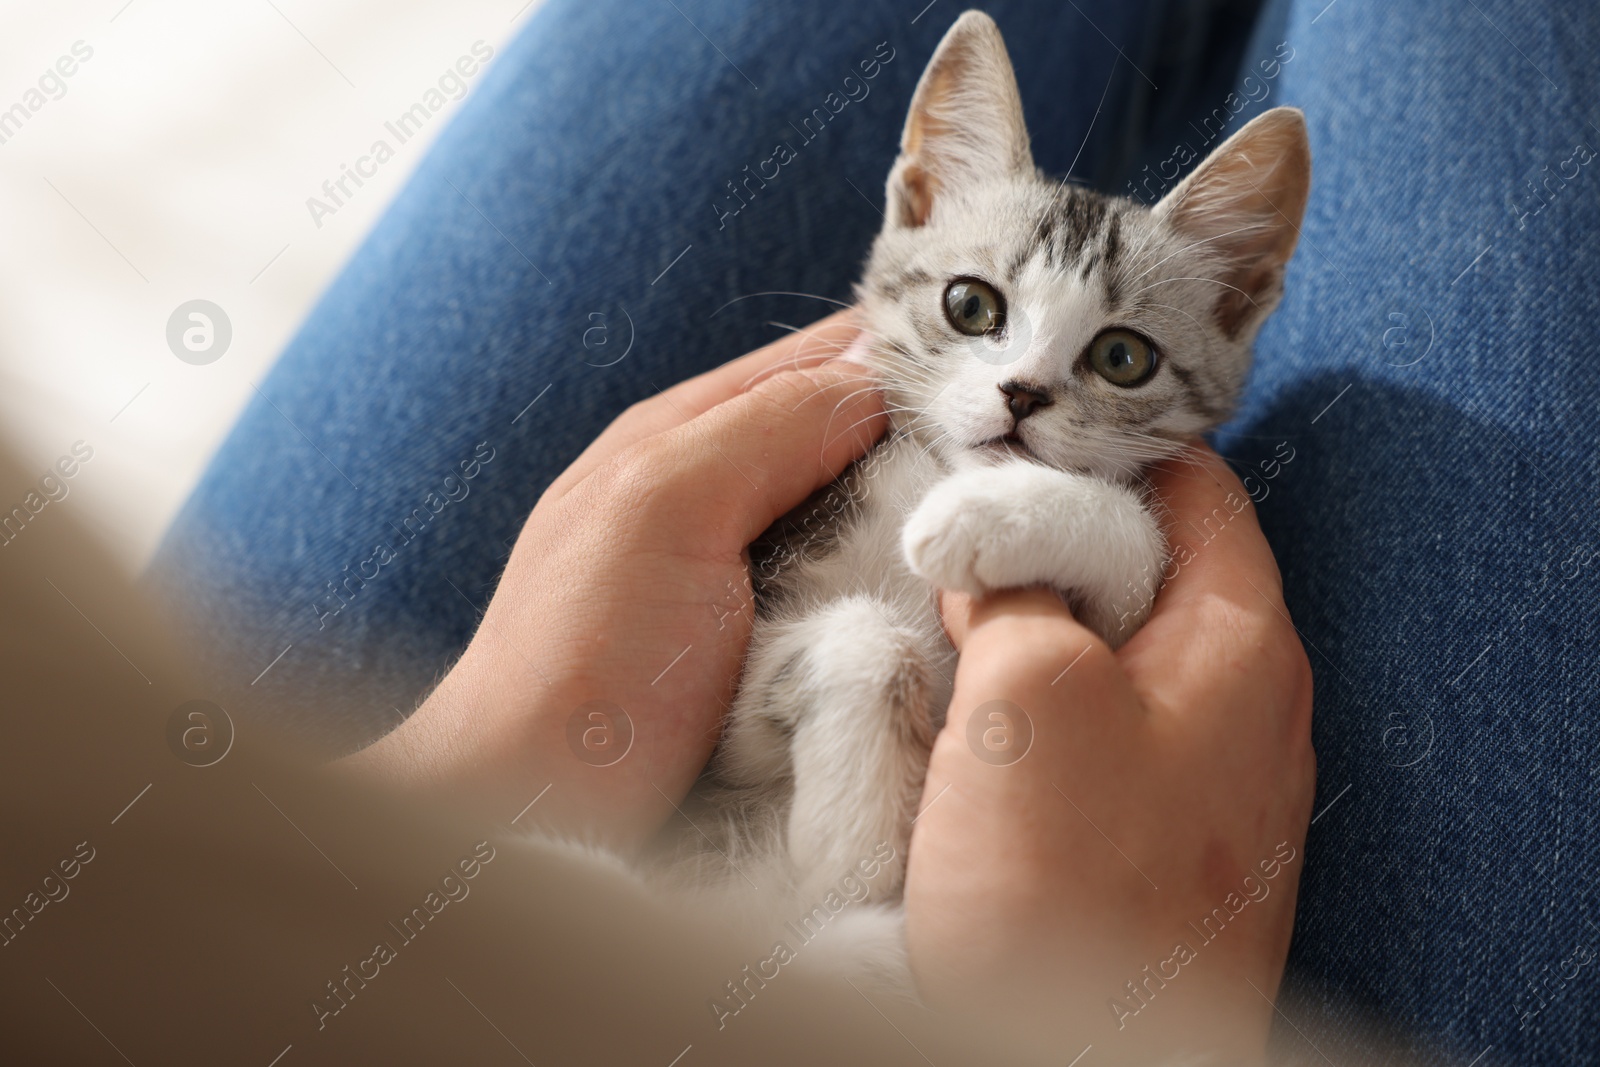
<point>1003,446</point>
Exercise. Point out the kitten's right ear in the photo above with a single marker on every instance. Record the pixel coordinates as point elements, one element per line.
<point>965,125</point>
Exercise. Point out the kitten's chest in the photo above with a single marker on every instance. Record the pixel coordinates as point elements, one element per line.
<point>845,539</point>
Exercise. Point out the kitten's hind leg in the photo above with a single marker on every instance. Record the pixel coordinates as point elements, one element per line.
<point>860,750</point>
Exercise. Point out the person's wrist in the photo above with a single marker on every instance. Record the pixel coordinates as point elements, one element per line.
<point>489,739</point>
<point>441,743</point>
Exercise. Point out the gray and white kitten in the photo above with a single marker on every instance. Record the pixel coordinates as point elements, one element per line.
<point>1038,345</point>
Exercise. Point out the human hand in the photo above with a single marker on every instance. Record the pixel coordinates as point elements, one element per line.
<point>1163,781</point>
<point>629,584</point>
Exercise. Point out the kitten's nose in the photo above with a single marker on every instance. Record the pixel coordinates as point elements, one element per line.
<point>1023,398</point>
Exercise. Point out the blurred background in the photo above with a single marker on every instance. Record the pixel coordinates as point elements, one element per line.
<point>174,164</point>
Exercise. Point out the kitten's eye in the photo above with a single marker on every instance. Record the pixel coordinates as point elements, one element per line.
<point>1122,357</point>
<point>973,307</point>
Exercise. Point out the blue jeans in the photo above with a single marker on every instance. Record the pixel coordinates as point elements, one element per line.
<point>1419,430</point>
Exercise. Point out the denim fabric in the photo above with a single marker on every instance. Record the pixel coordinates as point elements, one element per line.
<point>1437,528</point>
<point>1430,372</point>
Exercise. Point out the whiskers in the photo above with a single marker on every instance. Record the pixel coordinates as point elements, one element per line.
<point>1192,245</point>
<point>814,350</point>
<point>752,296</point>
<point>1208,281</point>
<point>1120,455</point>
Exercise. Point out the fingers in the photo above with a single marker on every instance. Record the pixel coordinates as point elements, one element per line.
<point>757,454</point>
<point>1024,645</point>
<point>815,344</point>
<point>1207,506</point>
<point>955,615</point>
<point>963,613</point>
<point>1219,618</point>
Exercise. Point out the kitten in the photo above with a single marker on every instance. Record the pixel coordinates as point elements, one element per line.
<point>1038,345</point>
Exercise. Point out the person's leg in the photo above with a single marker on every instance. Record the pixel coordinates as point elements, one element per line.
<point>595,225</point>
<point>1421,429</point>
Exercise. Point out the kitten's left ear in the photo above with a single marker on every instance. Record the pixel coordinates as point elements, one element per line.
<point>965,125</point>
<point>1245,203</point>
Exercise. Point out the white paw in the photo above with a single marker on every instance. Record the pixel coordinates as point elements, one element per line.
<point>1021,524</point>
<point>958,537</point>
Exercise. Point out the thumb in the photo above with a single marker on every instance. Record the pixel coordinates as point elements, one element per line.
<point>757,455</point>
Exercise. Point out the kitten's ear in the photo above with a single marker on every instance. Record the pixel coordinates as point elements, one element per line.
<point>965,125</point>
<point>1245,203</point>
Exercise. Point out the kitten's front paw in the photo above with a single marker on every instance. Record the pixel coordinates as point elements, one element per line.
<point>941,550</point>
<point>1020,524</point>
<point>963,537</point>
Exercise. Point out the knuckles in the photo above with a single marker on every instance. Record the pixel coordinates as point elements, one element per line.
<point>1269,649</point>
<point>1254,628</point>
<point>788,391</point>
<point>682,474</point>
<point>640,484</point>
